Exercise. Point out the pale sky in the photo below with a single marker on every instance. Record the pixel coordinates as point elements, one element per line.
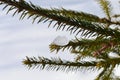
<point>20,38</point>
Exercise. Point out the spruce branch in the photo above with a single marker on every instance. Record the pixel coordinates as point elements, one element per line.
<point>72,24</point>
<point>58,64</point>
<point>108,74</point>
<point>102,73</point>
<point>106,7</point>
<point>88,47</point>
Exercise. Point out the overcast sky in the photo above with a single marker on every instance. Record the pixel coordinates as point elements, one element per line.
<point>20,38</point>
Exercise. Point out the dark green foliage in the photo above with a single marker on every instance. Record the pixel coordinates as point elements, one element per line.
<point>74,21</point>
<point>98,37</point>
<point>57,64</point>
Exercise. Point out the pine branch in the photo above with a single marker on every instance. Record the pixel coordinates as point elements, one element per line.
<point>88,47</point>
<point>102,73</point>
<point>45,15</point>
<point>116,16</point>
<point>106,7</point>
<point>58,64</point>
<point>107,74</point>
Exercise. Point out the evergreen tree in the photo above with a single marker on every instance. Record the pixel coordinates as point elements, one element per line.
<point>98,37</point>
